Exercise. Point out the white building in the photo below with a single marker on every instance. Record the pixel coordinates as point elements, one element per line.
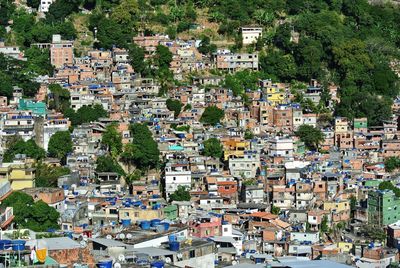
<point>246,166</point>
<point>281,147</point>
<point>177,174</point>
<point>251,34</point>
<point>44,5</point>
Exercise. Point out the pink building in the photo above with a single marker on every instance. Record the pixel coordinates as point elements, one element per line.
<point>61,52</point>
<point>206,226</point>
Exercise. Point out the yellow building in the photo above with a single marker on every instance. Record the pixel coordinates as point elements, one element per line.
<point>137,214</point>
<point>339,206</point>
<point>275,95</point>
<point>235,148</point>
<point>20,174</point>
<point>345,247</point>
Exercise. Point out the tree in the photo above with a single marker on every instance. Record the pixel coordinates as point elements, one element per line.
<point>206,47</point>
<point>387,185</point>
<point>60,9</point>
<point>324,224</point>
<point>143,151</point>
<point>181,194</point>
<point>392,163</point>
<point>85,114</point>
<point>311,136</point>
<point>136,58</point>
<point>112,139</point>
<point>37,216</point>
<point>163,56</point>
<point>248,135</point>
<point>175,106</point>
<point>28,148</point>
<point>47,176</point>
<point>212,115</point>
<point>213,147</point>
<point>125,12</point>
<point>275,210</point>
<point>60,98</point>
<point>60,144</point>
<point>106,163</point>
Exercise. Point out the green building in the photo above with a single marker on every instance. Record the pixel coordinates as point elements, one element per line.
<point>171,212</point>
<point>37,108</point>
<point>383,207</point>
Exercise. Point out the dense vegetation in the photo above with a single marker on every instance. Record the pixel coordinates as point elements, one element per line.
<point>37,216</point>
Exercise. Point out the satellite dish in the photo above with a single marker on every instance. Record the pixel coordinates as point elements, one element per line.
<point>179,255</point>
<point>121,257</point>
<point>83,244</point>
<point>233,263</point>
<point>129,236</point>
<point>183,221</point>
<point>122,236</point>
<point>168,260</point>
<point>109,237</point>
<point>117,265</point>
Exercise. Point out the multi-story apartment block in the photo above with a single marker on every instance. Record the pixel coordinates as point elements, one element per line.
<point>232,62</point>
<point>61,52</point>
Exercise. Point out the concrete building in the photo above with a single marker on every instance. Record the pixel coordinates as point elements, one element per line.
<point>233,62</point>
<point>44,5</point>
<point>250,35</point>
<point>383,207</point>
<point>61,52</point>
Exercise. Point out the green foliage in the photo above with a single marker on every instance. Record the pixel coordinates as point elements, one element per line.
<point>112,139</point>
<point>248,135</point>
<point>324,224</point>
<point>106,163</point>
<point>85,114</point>
<point>19,146</point>
<point>213,147</point>
<point>143,151</point>
<point>212,115</point>
<point>275,210</point>
<point>60,144</point>
<point>60,98</point>
<point>185,128</point>
<point>311,136</point>
<point>33,3</point>
<point>136,57</point>
<point>39,61</point>
<point>15,73</point>
<point>60,9</point>
<point>278,65</point>
<point>37,216</point>
<point>175,106</point>
<point>387,185</point>
<point>206,47</point>
<point>392,163</point>
<point>47,176</point>
<point>163,56</point>
<point>181,194</point>
<point>241,81</point>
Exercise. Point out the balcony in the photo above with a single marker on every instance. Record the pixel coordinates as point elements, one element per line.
<point>6,217</point>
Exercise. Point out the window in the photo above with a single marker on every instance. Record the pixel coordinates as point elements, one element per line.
<point>192,254</point>
<point>136,214</point>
